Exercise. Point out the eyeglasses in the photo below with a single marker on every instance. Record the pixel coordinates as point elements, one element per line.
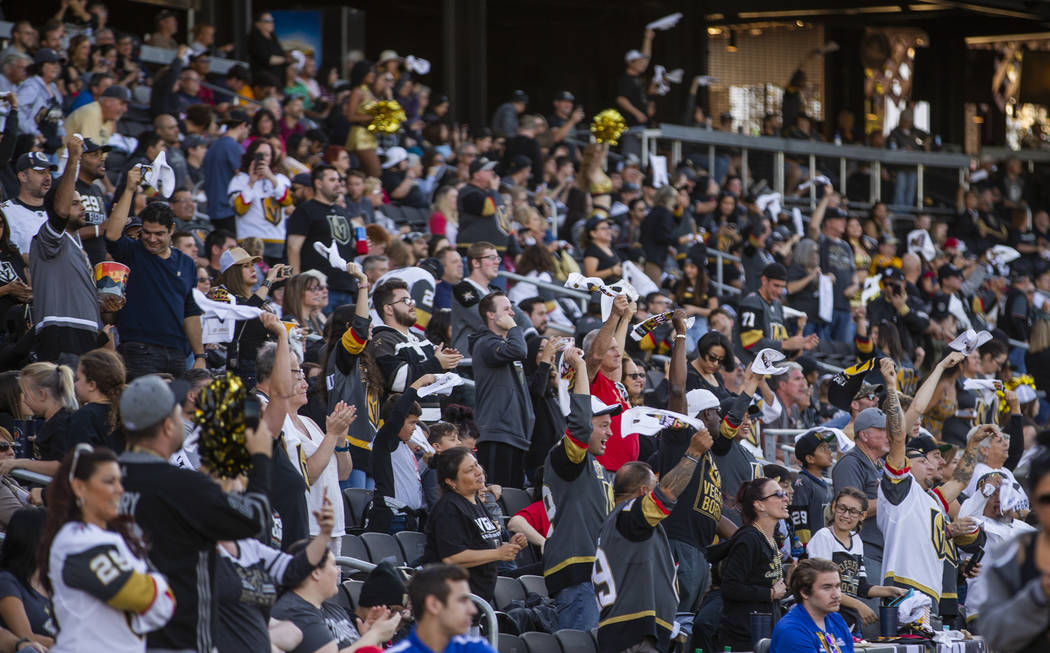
<point>780,494</point>
<point>1043,500</point>
<point>317,288</point>
<point>203,280</point>
<point>408,301</point>
<point>714,359</point>
<point>635,375</point>
<point>846,510</point>
<point>4,445</point>
<point>491,257</point>
<point>81,448</point>
<point>266,20</point>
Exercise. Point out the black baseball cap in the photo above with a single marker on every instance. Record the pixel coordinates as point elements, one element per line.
<point>34,160</point>
<point>891,273</point>
<point>481,163</point>
<point>775,271</point>
<point>564,96</point>
<point>46,55</point>
<point>948,270</point>
<point>303,179</point>
<point>518,163</point>
<point>595,220</point>
<point>807,443</point>
<point>921,445</point>
<point>91,146</point>
<point>236,117</point>
<point>519,96</point>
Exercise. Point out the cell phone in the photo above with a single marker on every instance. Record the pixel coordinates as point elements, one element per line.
<point>252,411</point>
<point>259,156</point>
<point>972,562</point>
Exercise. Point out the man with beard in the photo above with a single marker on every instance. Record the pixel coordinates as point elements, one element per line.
<point>162,322</point>
<point>65,304</point>
<point>92,167</point>
<point>920,538</point>
<point>25,213</point>
<point>321,220</point>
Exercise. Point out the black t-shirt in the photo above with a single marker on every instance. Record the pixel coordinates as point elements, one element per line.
<point>52,440</point>
<point>806,300</point>
<point>630,87</point>
<point>94,215</point>
<point>605,261</point>
<point>12,267</point>
<point>456,525</point>
<point>322,223</point>
<point>391,179</point>
<point>90,425</point>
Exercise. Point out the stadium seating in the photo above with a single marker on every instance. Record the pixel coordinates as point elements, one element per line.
<point>412,544</point>
<point>382,547</point>
<point>507,590</point>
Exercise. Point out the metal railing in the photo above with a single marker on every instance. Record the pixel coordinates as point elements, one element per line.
<point>33,478</point>
<point>486,608</point>
<point>580,295</point>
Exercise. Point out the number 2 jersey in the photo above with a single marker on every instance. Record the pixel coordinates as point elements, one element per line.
<point>105,597</point>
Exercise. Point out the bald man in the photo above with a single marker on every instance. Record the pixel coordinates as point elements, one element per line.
<point>168,128</point>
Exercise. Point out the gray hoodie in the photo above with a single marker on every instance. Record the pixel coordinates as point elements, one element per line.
<point>1014,616</point>
<point>502,408</point>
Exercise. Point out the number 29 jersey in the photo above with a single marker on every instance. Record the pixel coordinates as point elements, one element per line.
<point>105,598</point>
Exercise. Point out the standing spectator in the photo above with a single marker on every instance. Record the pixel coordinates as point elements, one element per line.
<point>184,533</point>
<point>97,120</point>
<point>479,207</point>
<point>24,39</point>
<point>905,136</point>
<point>165,26</point>
<point>599,258</point>
<point>99,383</point>
<point>761,322</point>
<point>505,119</point>
<point>40,102</point>
<point>452,274</point>
<point>483,261</point>
<point>444,220</point>
<point>836,258</point>
<point>14,282</point>
<point>259,196</point>
<point>65,306</point>
<point>504,412</point>
<point>441,605</point>
<point>48,393</point>
<point>631,94</point>
<point>13,71</point>
<point>812,494</point>
<point>398,498</point>
<point>26,213</point>
<point>162,321</point>
<point>322,220</point>
<point>92,168</point>
<point>634,572</point>
<point>459,531</point>
<point>167,127</point>
<point>605,349</point>
<point>97,609</point>
<point>220,164</point>
<point>657,232</point>
<point>265,53</point>
<point>564,119</point>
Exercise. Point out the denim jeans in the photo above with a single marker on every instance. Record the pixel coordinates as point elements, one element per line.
<point>904,188</point>
<point>358,478</point>
<point>841,328</point>
<point>695,332</point>
<point>694,574</point>
<point>142,358</point>
<point>577,607</point>
<point>337,298</point>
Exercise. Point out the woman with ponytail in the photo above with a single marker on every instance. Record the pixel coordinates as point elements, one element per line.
<point>47,391</point>
<point>99,383</point>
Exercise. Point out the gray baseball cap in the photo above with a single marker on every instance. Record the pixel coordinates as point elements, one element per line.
<point>869,418</point>
<point>146,402</point>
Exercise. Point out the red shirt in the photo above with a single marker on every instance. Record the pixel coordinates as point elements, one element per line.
<point>617,450</point>
<point>536,516</point>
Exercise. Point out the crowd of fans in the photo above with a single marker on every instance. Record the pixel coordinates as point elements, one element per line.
<point>850,415</point>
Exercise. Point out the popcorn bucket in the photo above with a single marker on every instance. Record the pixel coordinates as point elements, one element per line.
<point>111,278</point>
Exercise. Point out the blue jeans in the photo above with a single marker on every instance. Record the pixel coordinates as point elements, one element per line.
<point>358,478</point>
<point>1017,360</point>
<point>694,574</point>
<point>337,298</point>
<point>142,358</point>
<point>577,607</point>
<point>841,328</point>
<point>695,332</point>
<point>904,188</point>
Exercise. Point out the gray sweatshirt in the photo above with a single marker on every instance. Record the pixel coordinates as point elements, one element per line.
<point>503,409</point>
<point>1014,617</point>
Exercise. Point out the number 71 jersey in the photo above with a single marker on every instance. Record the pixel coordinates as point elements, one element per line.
<point>105,597</point>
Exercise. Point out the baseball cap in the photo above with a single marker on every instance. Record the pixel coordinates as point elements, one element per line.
<point>303,179</point>
<point>481,163</point>
<point>891,273</point>
<point>869,389</point>
<point>519,96</point>
<point>807,443</point>
<point>236,117</point>
<point>564,96</point>
<point>955,243</point>
<point>235,256</point>
<point>394,156</point>
<point>119,92</point>
<point>46,55</point>
<point>869,418</point>
<point>518,163</point>
<point>34,160</point>
<point>599,407</point>
<point>921,445</point>
<point>775,271</point>
<point>192,141</point>
<point>91,146</point>
<point>948,270</point>
<point>633,55</point>
<point>939,306</point>
<point>700,400</point>
<point>146,402</point>
<point>595,220</point>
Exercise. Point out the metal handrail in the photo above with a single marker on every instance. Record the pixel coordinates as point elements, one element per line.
<point>553,287</point>
<point>34,478</point>
<point>485,606</point>
<point>219,89</point>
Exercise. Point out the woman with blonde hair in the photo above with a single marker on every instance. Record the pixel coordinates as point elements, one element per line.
<point>48,392</point>
<point>444,221</point>
<point>1037,358</point>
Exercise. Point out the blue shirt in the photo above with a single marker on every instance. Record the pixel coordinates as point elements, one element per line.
<point>84,97</point>
<point>159,294</point>
<point>220,164</point>
<point>796,633</point>
<point>442,295</point>
<point>458,644</point>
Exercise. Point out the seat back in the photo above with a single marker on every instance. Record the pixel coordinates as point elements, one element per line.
<point>514,500</point>
<point>412,544</point>
<point>577,641</point>
<point>534,584</point>
<point>511,644</point>
<point>383,547</point>
<point>507,590</point>
<point>541,643</point>
<point>355,503</point>
<point>353,590</point>
<point>352,547</point>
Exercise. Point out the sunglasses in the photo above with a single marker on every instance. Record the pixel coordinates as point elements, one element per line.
<point>1043,500</point>
<point>714,359</point>
<point>4,445</point>
<point>780,494</point>
<point>635,375</point>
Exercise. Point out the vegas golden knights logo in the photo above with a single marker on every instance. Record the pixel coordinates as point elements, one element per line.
<point>272,211</point>
<point>340,229</point>
<point>942,544</point>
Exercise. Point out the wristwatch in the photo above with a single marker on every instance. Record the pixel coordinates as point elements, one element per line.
<point>267,283</point>
<point>199,356</point>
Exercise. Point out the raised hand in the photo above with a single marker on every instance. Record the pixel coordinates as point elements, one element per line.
<point>341,418</point>
<point>325,516</point>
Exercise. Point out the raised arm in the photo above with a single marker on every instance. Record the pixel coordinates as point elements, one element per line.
<point>951,490</point>
<point>118,217</point>
<point>676,381</point>
<point>68,182</point>
<point>817,218</point>
<point>925,393</point>
<point>894,416</point>
<point>605,337</point>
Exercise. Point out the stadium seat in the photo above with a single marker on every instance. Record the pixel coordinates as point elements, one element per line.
<point>342,599</point>
<point>507,590</point>
<point>541,643</point>
<point>577,641</point>
<point>382,547</point>
<point>514,500</point>
<point>763,645</point>
<point>353,547</point>
<point>534,584</point>
<point>412,544</point>
<point>355,502</point>
<point>353,590</point>
<point>511,644</point>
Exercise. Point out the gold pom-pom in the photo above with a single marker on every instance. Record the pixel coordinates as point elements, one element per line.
<point>220,416</point>
<point>607,126</point>
<point>387,116</point>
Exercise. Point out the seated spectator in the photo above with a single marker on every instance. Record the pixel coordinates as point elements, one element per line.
<point>441,436</point>
<point>25,605</point>
<point>444,219</point>
<point>99,384</point>
<point>48,392</point>
<point>443,610</point>
<point>814,624</point>
<point>399,180</point>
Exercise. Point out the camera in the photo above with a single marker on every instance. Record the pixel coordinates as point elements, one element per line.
<point>252,411</point>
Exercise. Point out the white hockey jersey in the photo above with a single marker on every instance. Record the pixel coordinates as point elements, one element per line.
<point>915,528</point>
<point>260,207</point>
<point>105,598</point>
